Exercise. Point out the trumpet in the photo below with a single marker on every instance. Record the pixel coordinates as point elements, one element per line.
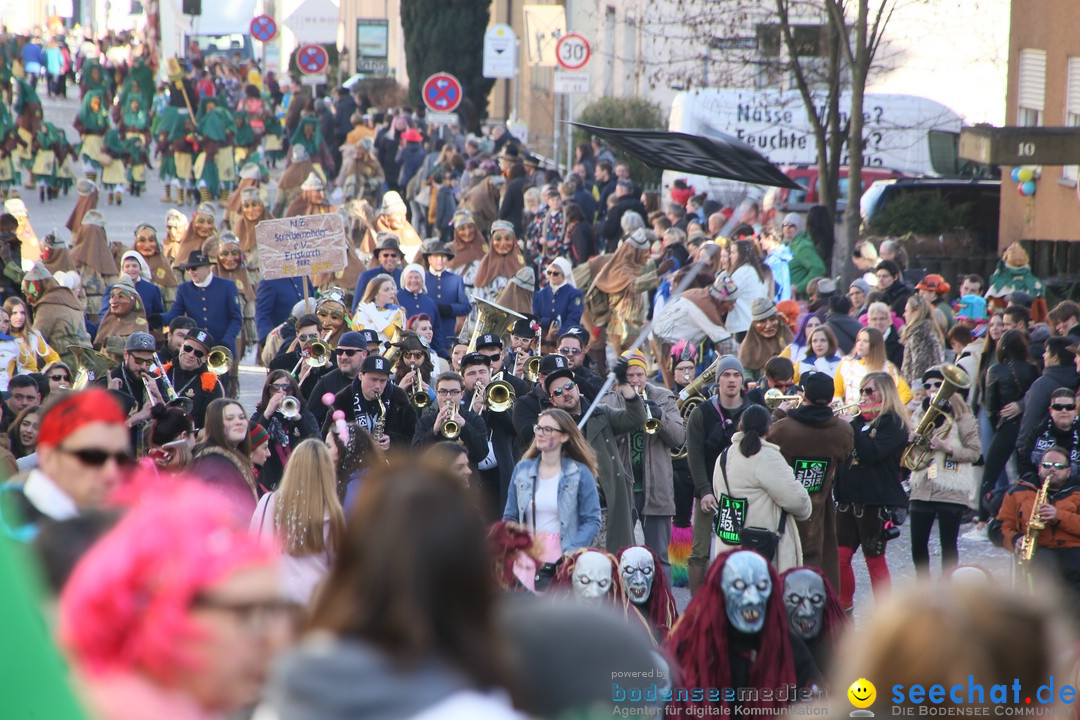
<point>219,360</point>
<point>499,396</point>
<point>775,398</point>
<point>451,430</point>
<point>420,398</point>
<point>290,408</point>
<point>651,423</point>
<point>838,408</point>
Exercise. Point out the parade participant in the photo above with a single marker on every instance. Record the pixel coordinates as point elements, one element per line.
<point>414,299</point>
<point>138,161</point>
<point>155,264</point>
<point>133,118</point>
<point>201,228</point>
<point>208,592</point>
<point>223,457</point>
<point>869,488</point>
<point>300,168</point>
<point>516,556</point>
<point>558,304</point>
<point>469,249</point>
<point>414,371</point>
<point>527,407</point>
<point>177,331</point>
<point>349,355</point>
<point>446,288</point>
<point>621,279</point>
<point>252,211</point>
<point>601,430</point>
<point>765,339</point>
<point>392,218</point>
<point>311,200</point>
<point>734,634</point>
<point>135,268</point>
<point>59,321</point>
<point>184,142</point>
<point>188,373</point>
<point>332,314</point>
<point>868,356</point>
<point>176,227</point>
<point>814,613</point>
<point>309,137</point>
<point>94,261</point>
<point>697,315</point>
<point>56,251</point>
<point>816,444</point>
<point>135,377</point>
<point>524,343</point>
<point>59,376</point>
<point>170,438</point>
<point>422,327</point>
<point>1061,429</point>
<point>125,313</point>
<point>297,356</point>
<point>114,160</point>
<point>499,264</point>
<point>593,579</point>
<point>162,127</point>
<point>230,264</point>
<point>83,451</point>
<point>361,175</point>
<point>250,177</point>
<point>573,345</point>
<point>386,260</point>
<point>382,409</point>
<point>92,123</point>
<point>23,434</point>
<point>216,130</point>
<point>647,455</point>
<point>497,465</point>
<point>944,489</point>
<point>9,141</point>
<point>93,78</point>
<point>378,309</point>
<point>648,589</point>
<point>449,407</point>
<point>245,142</point>
<point>1059,371</point>
<point>518,293</point>
<point>287,428</point>
<point>1013,274</point>
<point>51,150</point>
<point>212,302</point>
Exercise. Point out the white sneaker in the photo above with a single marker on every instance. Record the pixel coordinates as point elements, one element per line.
<point>976,534</point>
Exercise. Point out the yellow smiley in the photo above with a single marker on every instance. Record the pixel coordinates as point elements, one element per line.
<point>862,693</point>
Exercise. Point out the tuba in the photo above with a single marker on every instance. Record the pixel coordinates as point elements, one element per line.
<point>499,396</point>
<point>690,397</point>
<point>918,455</point>
<point>91,365</point>
<point>493,319</point>
<point>219,360</point>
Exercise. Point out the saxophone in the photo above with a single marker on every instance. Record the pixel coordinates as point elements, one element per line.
<point>1034,526</point>
<point>380,422</point>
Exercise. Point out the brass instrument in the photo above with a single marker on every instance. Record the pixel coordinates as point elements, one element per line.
<point>1034,526</point>
<point>532,369</point>
<point>420,398</point>
<point>379,431</point>
<point>169,388</point>
<point>690,397</point>
<point>651,423</point>
<point>499,396</point>
<point>290,408</point>
<point>219,360</point>
<point>774,398</point>
<point>316,356</point>
<point>491,318</point>
<point>451,430</point>
<point>918,455</point>
<point>91,365</point>
<point>838,408</point>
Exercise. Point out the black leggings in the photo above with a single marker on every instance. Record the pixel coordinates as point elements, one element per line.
<point>922,515</point>
<point>996,457</point>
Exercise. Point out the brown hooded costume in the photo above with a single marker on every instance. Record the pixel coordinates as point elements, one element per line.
<point>121,326</point>
<point>88,200</point>
<point>94,261</point>
<point>161,273</point>
<point>483,200</point>
<point>191,240</point>
<point>58,314</point>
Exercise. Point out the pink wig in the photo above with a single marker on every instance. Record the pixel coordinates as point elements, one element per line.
<point>126,605</point>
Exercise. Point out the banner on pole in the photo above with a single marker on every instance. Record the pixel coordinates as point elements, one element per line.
<point>301,246</point>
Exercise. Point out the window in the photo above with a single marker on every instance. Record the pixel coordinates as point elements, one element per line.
<point>1031,95</point>
<point>1072,112</point>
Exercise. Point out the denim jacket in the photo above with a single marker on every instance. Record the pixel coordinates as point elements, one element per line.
<point>578,499</point>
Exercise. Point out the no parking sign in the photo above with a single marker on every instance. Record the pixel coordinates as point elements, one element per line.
<point>442,93</point>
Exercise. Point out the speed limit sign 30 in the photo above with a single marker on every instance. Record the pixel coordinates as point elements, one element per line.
<point>572,51</point>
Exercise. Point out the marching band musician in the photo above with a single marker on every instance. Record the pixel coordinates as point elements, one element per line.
<point>414,368</point>
<point>524,343</point>
<point>574,346</point>
<point>527,407</point>
<point>648,456</point>
<point>449,406</point>
<point>377,406</point>
<point>134,377</point>
<point>497,466</point>
<point>295,358</point>
<point>491,345</point>
<point>190,377</point>
<point>349,355</point>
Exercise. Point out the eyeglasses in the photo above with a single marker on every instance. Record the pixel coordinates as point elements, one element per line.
<point>60,378</point>
<point>545,429</point>
<point>444,392</point>
<point>253,615</point>
<point>347,352</point>
<point>93,457</point>
<point>1062,407</point>
<point>569,351</point>
<point>191,349</point>
<point>932,385</point>
<point>307,337</point>
<point>1054,465</point>
<point>142,361</point>
<point>867,392</point>
<point>554,273</point>
<point>564,388</point>
<point>282,386</point>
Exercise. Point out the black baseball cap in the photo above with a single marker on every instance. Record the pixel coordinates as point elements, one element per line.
<point>489,340</point>
<point>375,363</point>
<point>475,358</point>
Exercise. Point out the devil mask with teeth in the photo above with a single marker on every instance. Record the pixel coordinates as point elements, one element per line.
<point>804,598</point>
<point>747,586</point>
<point>646,587</point>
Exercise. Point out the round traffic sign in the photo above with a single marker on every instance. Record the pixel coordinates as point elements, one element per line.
<point>572,51</point>
<point>312,59</point>
<point>263,28</point>
<point>442,92</point>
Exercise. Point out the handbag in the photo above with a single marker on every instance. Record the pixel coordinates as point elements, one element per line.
<point>731,530</point>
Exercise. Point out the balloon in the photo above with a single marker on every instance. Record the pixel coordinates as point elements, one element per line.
<point>1025,175</point>
<point>1028,187</point>
<point>1020,189</point>
<point>1015,175</point>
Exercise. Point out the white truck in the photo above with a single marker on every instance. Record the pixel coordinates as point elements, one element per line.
<point>221,28</point>
<point>906,133</point>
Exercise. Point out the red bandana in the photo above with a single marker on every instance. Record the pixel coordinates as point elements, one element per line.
<point>81,408</point>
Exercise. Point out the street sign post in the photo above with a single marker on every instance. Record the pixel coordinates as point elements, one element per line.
<point>442,93</point>
<point>572,52</point>
<point>568,82</point>
<point>312,59</point>
<point>500,52</point>
<point>263,28</point>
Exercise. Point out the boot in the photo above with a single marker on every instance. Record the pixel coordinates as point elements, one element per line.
<point>696,576</point>
<point>110,197</point>
<point>119,197</point>
<point>41,193</point>
<point>168,194</point>
<point>204,194</point>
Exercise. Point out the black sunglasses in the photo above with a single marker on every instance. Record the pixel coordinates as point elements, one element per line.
<point>1062,408</point>
<point>60,378</point>
<point>97,458</point>
<point>197,353</point>
<point>347,352</point>
<point>564,388</point>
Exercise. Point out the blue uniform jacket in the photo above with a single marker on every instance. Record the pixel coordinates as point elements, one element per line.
<point>152,301</point>
<point>365,278</point>
<point>274,301</point>
<point>448,288</point>
<point>564,305</point>
<point>415,304</point>
<point>215,307</point>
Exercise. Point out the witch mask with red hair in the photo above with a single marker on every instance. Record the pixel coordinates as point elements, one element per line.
<point>647,588</point>
<point>814,612</point>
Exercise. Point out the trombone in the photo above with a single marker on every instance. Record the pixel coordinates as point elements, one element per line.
<point>774,398</point>
<point>316,356</point>
<point>499,396</point>
<point>219,360</point>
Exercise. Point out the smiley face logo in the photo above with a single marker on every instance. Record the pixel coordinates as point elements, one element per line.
<point>862,693</point>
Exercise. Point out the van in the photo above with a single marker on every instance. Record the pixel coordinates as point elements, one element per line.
<point>780,201</point>
<point>977,200</point>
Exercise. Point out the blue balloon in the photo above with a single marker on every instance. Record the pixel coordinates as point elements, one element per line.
<point>1015,175</point>
<point>1028,188</point>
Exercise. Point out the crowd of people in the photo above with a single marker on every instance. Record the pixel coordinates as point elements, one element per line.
<point>525,383</point>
